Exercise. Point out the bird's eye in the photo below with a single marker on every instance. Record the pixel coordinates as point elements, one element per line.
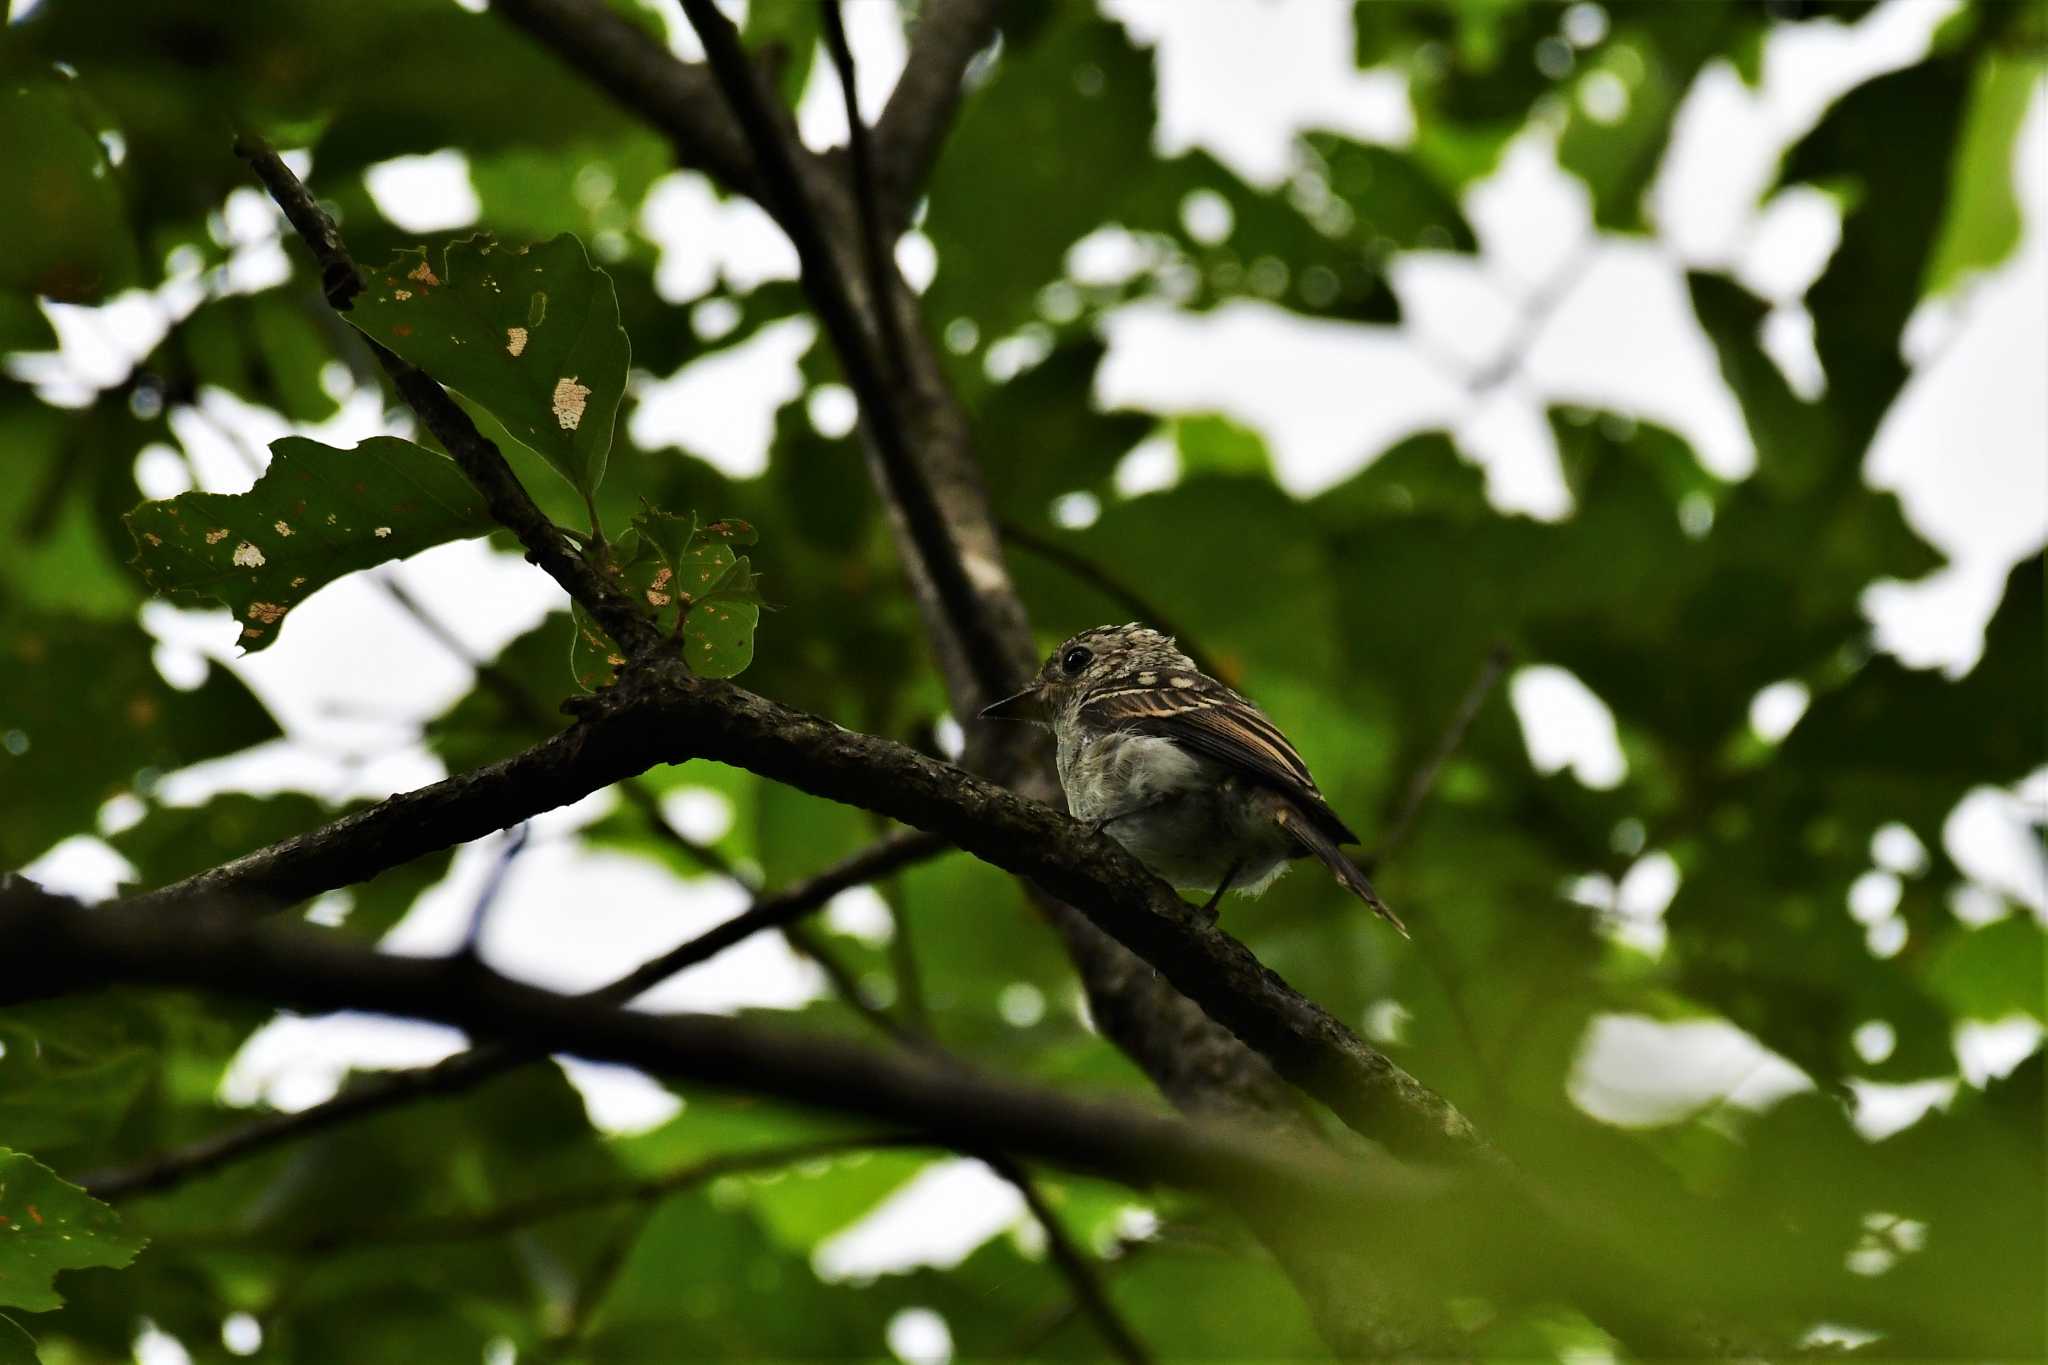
<point>1075,659</point>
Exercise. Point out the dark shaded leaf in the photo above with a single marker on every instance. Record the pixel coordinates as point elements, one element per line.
<point>531,333</point>
<point>48,1226</point>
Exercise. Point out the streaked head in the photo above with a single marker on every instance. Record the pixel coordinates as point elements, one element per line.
<point>1102,657</point>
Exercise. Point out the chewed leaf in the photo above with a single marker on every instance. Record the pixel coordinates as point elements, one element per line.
<point>732,531</point>
<point>718,637</point>
<point>48,1225</point>
<point>316,514</point>
<point>531,333</point>
<point>669,534</point>
<point>592,656</point>
<point>688,578</point>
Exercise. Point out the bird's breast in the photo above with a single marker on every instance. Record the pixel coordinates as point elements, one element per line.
<point>1110,771</point>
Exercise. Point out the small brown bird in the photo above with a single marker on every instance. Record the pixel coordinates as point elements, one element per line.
<point>1187,775</point>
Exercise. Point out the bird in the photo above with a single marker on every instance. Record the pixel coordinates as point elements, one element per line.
<point>1190,777</point>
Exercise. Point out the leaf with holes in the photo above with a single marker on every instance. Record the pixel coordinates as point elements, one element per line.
<point>721,606</point>
<point>316,514</point>
<point>696,588</point>
<point>48,1225</point>
<point>531,333</point>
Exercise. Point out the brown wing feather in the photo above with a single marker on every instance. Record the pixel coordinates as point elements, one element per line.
<point>1220,725</point>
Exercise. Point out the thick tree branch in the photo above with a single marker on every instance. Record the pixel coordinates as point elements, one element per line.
<point>662,713</point>
<point>788,196</point>
<point>920,111</point>
<point>1195,1061</point>
<point>678,98</point>
<point>553,773</point>
<point>507,502</point>
<point>77,948</point>
<point>1478,1230</point>
<point>468,1069</point>
<point>882,280</point>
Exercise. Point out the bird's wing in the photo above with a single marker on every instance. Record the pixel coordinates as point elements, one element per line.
<point>1211,720</point>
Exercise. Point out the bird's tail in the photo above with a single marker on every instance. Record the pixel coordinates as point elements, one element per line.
<point>1332,857</point>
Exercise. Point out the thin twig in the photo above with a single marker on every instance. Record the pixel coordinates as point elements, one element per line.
<point>1535,313</point>
<point>775,154</point>
<point>874,236</point>
<point>1141,608</point>
<point>920,110</point>
<point>1424,782</point>
<point>515,844</point>
<point>1436,951</point>
<point>469,1069</point>
<point>843,984</point>
<point>510,1217</point>
<point>1082,1271</point>
<point>1073,1263</point>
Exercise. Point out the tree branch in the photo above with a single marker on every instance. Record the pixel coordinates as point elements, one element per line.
<point>677,97</point>
<point>882,279</point>
<point>920,111</point>
<point>788,197</point>
<point>511,1217</point>
<point>1480,1230</point>
<point>507,502</point>
<point>77,948</point>
<point>1423,783</point>
<point>468,1069</point>
<point>1090,1293</point>
<point>660,712</point>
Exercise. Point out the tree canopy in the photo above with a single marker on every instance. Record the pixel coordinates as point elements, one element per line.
<point>1347,1143</point>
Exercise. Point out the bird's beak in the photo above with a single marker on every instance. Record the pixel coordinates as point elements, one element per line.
<point>1026,705</point>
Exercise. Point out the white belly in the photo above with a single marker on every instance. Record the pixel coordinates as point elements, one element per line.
<point>1178,813</point>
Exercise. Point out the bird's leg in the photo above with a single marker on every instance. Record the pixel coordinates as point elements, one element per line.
<point>1209,910</point>
<point>1103,822</point>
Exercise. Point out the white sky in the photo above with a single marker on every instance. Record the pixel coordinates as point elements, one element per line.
<point>1964,448</point>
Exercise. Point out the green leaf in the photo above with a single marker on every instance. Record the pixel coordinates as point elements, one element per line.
<point>723,608</point>
<point>1210,443</point>
<point>1983,224</point>
<point>316,514</point>
<point>48,1225</point>
<point>1994,971</point>
<point>670,535</point>
<point>67,235</point>
<point>697,587</point>
<point>592,655</point>
<point>51,1097</point>
<point>732,531</point>
<point>531,333</point>
<point>85,715</point>
<point>718,638</point>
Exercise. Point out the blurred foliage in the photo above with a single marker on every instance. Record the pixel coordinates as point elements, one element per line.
<point>1359,617</point>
